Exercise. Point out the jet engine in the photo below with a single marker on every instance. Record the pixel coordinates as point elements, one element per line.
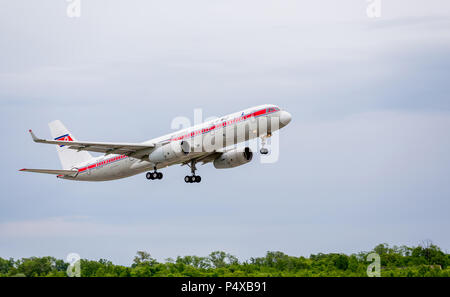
<point>234,158</point>
<point>169,152</point>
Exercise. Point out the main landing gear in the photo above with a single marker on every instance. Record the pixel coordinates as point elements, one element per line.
<point>192,178</point>
<point>154,175</point>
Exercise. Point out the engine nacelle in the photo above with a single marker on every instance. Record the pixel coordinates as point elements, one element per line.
<point>234,158</point>
<point>170,151</point>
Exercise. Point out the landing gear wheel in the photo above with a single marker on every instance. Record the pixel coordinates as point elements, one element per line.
<point>192,178</point>
<point>154,175</point>
<point>264,151</point>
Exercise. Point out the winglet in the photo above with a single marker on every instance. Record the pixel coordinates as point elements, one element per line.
<point>35,139</point>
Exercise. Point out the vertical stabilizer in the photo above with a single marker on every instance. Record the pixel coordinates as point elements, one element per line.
<point>69,158</point>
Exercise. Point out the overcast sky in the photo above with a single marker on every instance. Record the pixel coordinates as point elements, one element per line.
<point>364,161</point>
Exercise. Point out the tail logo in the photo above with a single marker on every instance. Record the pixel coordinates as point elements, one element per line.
<point>65,137</point>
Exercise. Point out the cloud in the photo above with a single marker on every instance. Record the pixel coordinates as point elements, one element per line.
<point>428,20</point>
<point>57,227</point>
<point>364,160</point>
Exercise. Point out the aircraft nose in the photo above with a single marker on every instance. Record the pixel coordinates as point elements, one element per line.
<point>285,118</point>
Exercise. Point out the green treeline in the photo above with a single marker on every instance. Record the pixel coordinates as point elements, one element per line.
<point>423,260</point>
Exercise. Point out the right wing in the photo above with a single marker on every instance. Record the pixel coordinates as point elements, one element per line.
<point>71,173</point>
<point>205,157</point>
<point>136,150</point>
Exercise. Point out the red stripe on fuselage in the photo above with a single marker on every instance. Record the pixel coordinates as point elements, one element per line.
<point>101,163</point>
<point>205,130</point>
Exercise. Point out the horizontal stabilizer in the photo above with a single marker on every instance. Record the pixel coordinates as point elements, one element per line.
<point>71,173</point>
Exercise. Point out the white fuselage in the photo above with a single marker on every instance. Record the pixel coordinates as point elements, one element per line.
<point>113,166</point>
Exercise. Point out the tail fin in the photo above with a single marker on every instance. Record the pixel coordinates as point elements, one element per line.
<point>68,157</point>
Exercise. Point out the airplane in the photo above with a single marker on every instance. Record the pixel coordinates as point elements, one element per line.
<point>206,143</point>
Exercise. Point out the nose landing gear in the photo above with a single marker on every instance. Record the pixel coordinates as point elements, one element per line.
<point>192,178</point>
<point>264,150</point>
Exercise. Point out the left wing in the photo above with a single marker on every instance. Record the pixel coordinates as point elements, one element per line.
<point>135,150</point>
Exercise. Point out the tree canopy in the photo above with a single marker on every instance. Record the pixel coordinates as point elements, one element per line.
<point>425,259</point>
